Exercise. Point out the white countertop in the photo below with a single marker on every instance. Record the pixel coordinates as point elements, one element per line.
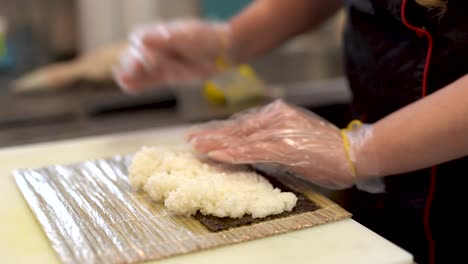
<point>22,239</point>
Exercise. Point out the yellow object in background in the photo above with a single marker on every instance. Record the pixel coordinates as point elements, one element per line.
<point>234,86</point>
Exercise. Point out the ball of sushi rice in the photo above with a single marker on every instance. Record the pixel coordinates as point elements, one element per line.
<point>186,184</point>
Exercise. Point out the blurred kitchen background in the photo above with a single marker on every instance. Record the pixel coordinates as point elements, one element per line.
<point>39,33</point>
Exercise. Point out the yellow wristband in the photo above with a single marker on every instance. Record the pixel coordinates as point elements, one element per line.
<point>352,125</point>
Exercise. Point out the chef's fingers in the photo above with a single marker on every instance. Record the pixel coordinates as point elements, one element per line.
<point>255,152</point>
<point>240,124</point>
<point>195,41</point>
<point>140,69</point>
<point>216,131</point>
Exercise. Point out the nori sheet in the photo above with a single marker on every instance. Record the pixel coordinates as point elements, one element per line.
<point>215,224</point>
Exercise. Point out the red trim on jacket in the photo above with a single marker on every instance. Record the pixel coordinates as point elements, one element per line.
<point>421,32</point>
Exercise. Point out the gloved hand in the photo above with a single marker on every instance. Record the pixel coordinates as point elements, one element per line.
<point>294,138</point>
<point>172,53</point>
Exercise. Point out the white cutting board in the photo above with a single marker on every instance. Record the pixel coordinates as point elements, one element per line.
<point>22,239</point>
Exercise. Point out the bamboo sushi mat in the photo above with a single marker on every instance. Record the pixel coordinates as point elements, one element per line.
<point>90,214</point>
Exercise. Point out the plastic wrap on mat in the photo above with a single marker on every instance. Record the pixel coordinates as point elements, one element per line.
<point>90,214</point>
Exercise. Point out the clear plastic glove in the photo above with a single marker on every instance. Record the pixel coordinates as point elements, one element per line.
<point>172,53</point>
<point>298,140</point>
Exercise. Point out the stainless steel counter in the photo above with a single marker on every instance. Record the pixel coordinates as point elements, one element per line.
<point>94,109</point>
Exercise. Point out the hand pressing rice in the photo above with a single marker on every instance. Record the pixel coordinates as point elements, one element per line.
<point>187,184</point>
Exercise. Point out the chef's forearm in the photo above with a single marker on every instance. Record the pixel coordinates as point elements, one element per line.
<point>266,24</point>
<point>428,132</point>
